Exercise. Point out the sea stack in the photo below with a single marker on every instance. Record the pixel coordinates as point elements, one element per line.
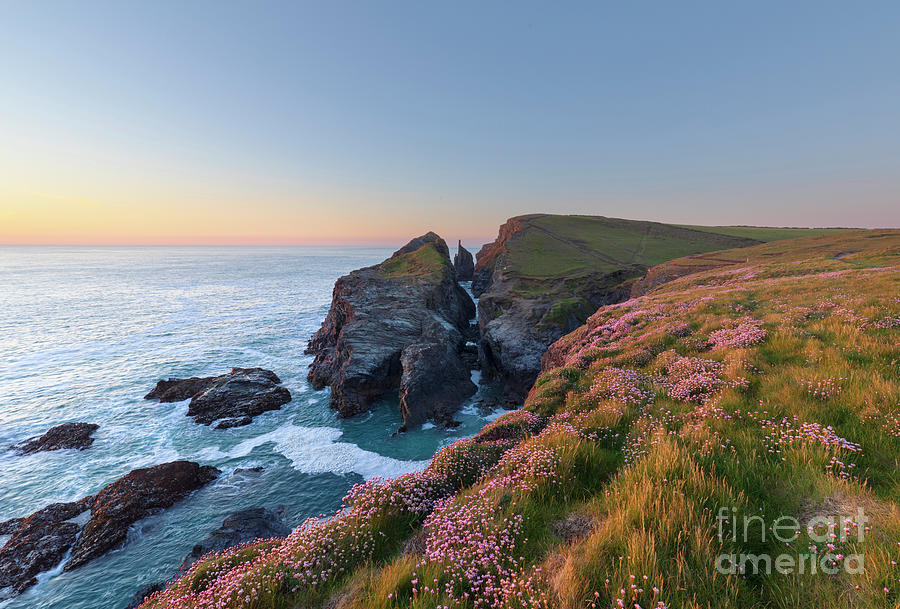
<point>397,326</point>
<point>464,263</point>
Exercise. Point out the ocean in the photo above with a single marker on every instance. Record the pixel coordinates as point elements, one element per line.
<point>85,333</point>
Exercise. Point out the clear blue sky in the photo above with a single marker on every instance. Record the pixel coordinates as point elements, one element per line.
<point>334,121</point>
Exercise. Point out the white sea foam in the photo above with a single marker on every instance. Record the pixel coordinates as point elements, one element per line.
<point>315,450</point>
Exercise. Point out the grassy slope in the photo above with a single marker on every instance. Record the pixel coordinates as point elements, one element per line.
<point>571,261</point>
<point>426,263</point>
<point>765,233</point>
<point>569,246</point>
<point>769,384</point>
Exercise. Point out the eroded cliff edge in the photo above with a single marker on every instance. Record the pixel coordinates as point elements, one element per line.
<point>397,326</point>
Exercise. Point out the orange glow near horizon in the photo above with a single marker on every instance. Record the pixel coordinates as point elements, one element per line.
<point>47,219</point>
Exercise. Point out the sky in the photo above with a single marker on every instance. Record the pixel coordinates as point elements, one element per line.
<point>222,122</point>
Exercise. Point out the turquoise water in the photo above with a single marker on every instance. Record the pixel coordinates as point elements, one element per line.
<point>85,333</point>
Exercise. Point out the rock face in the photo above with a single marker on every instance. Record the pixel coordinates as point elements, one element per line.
<point>238,528</point>
<point>132,497</point>
<point>545,275</point>
<point>463,263</point>
<point>38,543</point>
<point>398,325</point>
<point>232,399</point>
<point>67,435</point>
<point>93,525</point>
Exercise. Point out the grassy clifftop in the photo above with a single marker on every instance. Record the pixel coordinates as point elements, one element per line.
<point>426,262</point>
<point>553,247</point>
<point>545,274</point>
<point>767,389</point>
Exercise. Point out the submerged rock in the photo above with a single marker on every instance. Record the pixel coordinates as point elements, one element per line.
<point>131,498</point>
<point>138,598</point>
<point>232,399</point>
<point>387,326</point>
<point>238,528</point>
<point>67,435</point>
<point>464,263</point>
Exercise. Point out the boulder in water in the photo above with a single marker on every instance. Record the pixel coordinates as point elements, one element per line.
<point>67,435</point>
<point>232,399</point>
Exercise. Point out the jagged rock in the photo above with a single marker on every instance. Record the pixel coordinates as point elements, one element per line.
<point>238,528</point>
<point>8,527</point>
<point>131,498</point>
<point>463,263</point>
<point>67,435</point>
<point>176,390</point>
<point>408,302</point>
<point>38,543</point>
<point>233,399</point>
<point>93,525</point>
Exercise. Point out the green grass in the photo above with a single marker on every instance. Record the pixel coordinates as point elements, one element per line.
<point>425,262</point>
<point>566,246</point>
<point>765,233</point>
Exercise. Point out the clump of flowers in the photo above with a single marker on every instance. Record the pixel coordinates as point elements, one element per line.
<point>622,385</point>
<point>692,379</point>
<point>680,330</point>
<point>511,426</point>
<point>887,323</point>
<point>791,431</point>
<point>746,332</point>
<point>477,546</point>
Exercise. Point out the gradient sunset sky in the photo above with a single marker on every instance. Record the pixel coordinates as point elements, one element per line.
<point>371,122</point>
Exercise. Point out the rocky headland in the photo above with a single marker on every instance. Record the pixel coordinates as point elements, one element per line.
<point>229,400</point>
<point>400,325</point>
<point>545,275</point>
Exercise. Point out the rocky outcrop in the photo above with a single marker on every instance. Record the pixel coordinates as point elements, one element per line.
<point>67,435</point>
<point>177,390</point>
<point>463,263</point>
<point>232,399</point>
<point>387,325</point>
<point>491,253</point>
<point>434,375</point>
<point>38,543</point>
<point>238,528</point>
<point>132,497</point>
<point>545,275</point>
<point>93,525</point>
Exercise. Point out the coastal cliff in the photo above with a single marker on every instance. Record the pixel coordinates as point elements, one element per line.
<point>544,275</point>
<point>397,326</point>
